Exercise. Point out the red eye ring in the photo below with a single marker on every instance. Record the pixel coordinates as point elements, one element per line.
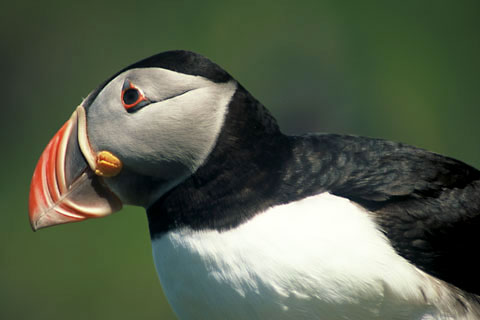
<point>132,96</point>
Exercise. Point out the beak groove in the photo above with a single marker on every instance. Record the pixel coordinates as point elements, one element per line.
<point>54,198</point>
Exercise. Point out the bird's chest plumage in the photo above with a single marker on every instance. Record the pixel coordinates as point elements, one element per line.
<point>319,258</point>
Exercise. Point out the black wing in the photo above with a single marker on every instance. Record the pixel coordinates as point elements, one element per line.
<point>428,205</point>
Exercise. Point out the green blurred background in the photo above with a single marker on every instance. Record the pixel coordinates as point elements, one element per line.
<point>401,70</point>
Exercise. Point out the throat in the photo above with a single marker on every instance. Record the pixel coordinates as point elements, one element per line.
<point>240,178</point>
<point>220,195</point>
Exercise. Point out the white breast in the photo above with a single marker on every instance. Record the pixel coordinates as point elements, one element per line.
<point>319,258</point>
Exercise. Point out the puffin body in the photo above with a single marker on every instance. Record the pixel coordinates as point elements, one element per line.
<point>334,265</point>
<point>249,223</point>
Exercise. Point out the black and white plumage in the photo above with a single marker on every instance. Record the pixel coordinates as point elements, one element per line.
<point>249,223</point>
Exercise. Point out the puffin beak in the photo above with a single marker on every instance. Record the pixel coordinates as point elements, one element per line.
<point>67,185</point>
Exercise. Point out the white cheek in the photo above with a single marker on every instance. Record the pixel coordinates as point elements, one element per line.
<point>181,130</point>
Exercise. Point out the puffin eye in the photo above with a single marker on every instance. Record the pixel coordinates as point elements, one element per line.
<point>132,98</point>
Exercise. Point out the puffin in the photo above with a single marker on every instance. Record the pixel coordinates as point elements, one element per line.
<point>249,223</point>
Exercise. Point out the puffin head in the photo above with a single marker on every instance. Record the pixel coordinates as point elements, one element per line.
<point>138,135</point>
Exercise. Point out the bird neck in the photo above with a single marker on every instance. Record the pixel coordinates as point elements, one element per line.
<point>240,177</point>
